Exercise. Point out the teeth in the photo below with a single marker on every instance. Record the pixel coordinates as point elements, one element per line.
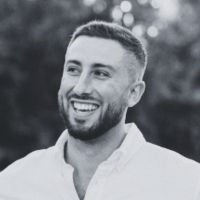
<point>84,106</point>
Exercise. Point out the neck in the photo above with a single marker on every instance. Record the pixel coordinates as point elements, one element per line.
<point>91,153</point>
<point>85,156</point>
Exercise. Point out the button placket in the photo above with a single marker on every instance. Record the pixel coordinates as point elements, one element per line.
<point>67,174</point>
<point>96,184</point>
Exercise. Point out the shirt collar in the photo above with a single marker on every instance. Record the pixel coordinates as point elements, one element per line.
<point>131,144</point>
<point>133,140</point>
<point>60,144</point>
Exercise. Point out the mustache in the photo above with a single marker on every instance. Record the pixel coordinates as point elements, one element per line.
<point>83,96</point>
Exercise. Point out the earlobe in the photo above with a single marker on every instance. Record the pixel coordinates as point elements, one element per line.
<point>136,92</point>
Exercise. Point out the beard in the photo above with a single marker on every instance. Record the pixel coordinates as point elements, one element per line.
<point>110,118</point>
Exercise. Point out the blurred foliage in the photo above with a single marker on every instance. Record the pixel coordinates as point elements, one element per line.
<point>33,39</point>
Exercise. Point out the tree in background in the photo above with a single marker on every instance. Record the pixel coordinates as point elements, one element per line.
<point>33,39</point>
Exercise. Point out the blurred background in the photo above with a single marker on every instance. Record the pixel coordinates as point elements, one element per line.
<point>33,38</point>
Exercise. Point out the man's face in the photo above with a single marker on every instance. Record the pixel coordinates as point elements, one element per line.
<point>94,88</point>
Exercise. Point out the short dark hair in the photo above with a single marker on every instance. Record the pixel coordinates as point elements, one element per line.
<point>108,30</point>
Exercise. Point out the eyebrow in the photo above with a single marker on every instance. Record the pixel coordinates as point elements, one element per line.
<point>100,65</point>
<point>73,62</point>
<point>94,65</point>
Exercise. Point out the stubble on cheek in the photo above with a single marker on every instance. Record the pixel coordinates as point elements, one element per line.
<point>62,108</point>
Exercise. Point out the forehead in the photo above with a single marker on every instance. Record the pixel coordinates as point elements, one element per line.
<point>94,49</point>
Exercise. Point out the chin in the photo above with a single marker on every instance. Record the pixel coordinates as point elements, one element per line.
<point>85,132</point>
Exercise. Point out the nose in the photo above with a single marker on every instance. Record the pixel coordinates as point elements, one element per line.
<point>83,85</point>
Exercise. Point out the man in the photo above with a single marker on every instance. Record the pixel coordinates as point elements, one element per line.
<point>98,156</point>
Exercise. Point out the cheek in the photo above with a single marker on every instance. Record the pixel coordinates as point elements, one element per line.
<point>116,94</point>
<point>110,92</point>
<point>66,85</point>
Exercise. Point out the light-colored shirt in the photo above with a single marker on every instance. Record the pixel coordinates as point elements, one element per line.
<point>137,170</point>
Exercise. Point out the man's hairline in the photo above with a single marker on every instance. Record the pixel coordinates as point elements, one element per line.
<point>127,53</point>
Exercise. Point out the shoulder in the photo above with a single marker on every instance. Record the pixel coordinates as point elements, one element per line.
<point>170,164</point>
<point>29,161</point>
<point>28,168</point>
<point>170,157</point>
<point>29,175</point>
<point>165,169</point>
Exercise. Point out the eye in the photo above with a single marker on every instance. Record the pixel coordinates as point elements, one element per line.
<point>101,74</point>
<point>73,70</point>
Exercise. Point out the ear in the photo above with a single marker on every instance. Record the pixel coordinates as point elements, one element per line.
<point>136,91</point>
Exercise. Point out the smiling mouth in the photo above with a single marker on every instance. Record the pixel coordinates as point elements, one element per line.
<point>84,106</point>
